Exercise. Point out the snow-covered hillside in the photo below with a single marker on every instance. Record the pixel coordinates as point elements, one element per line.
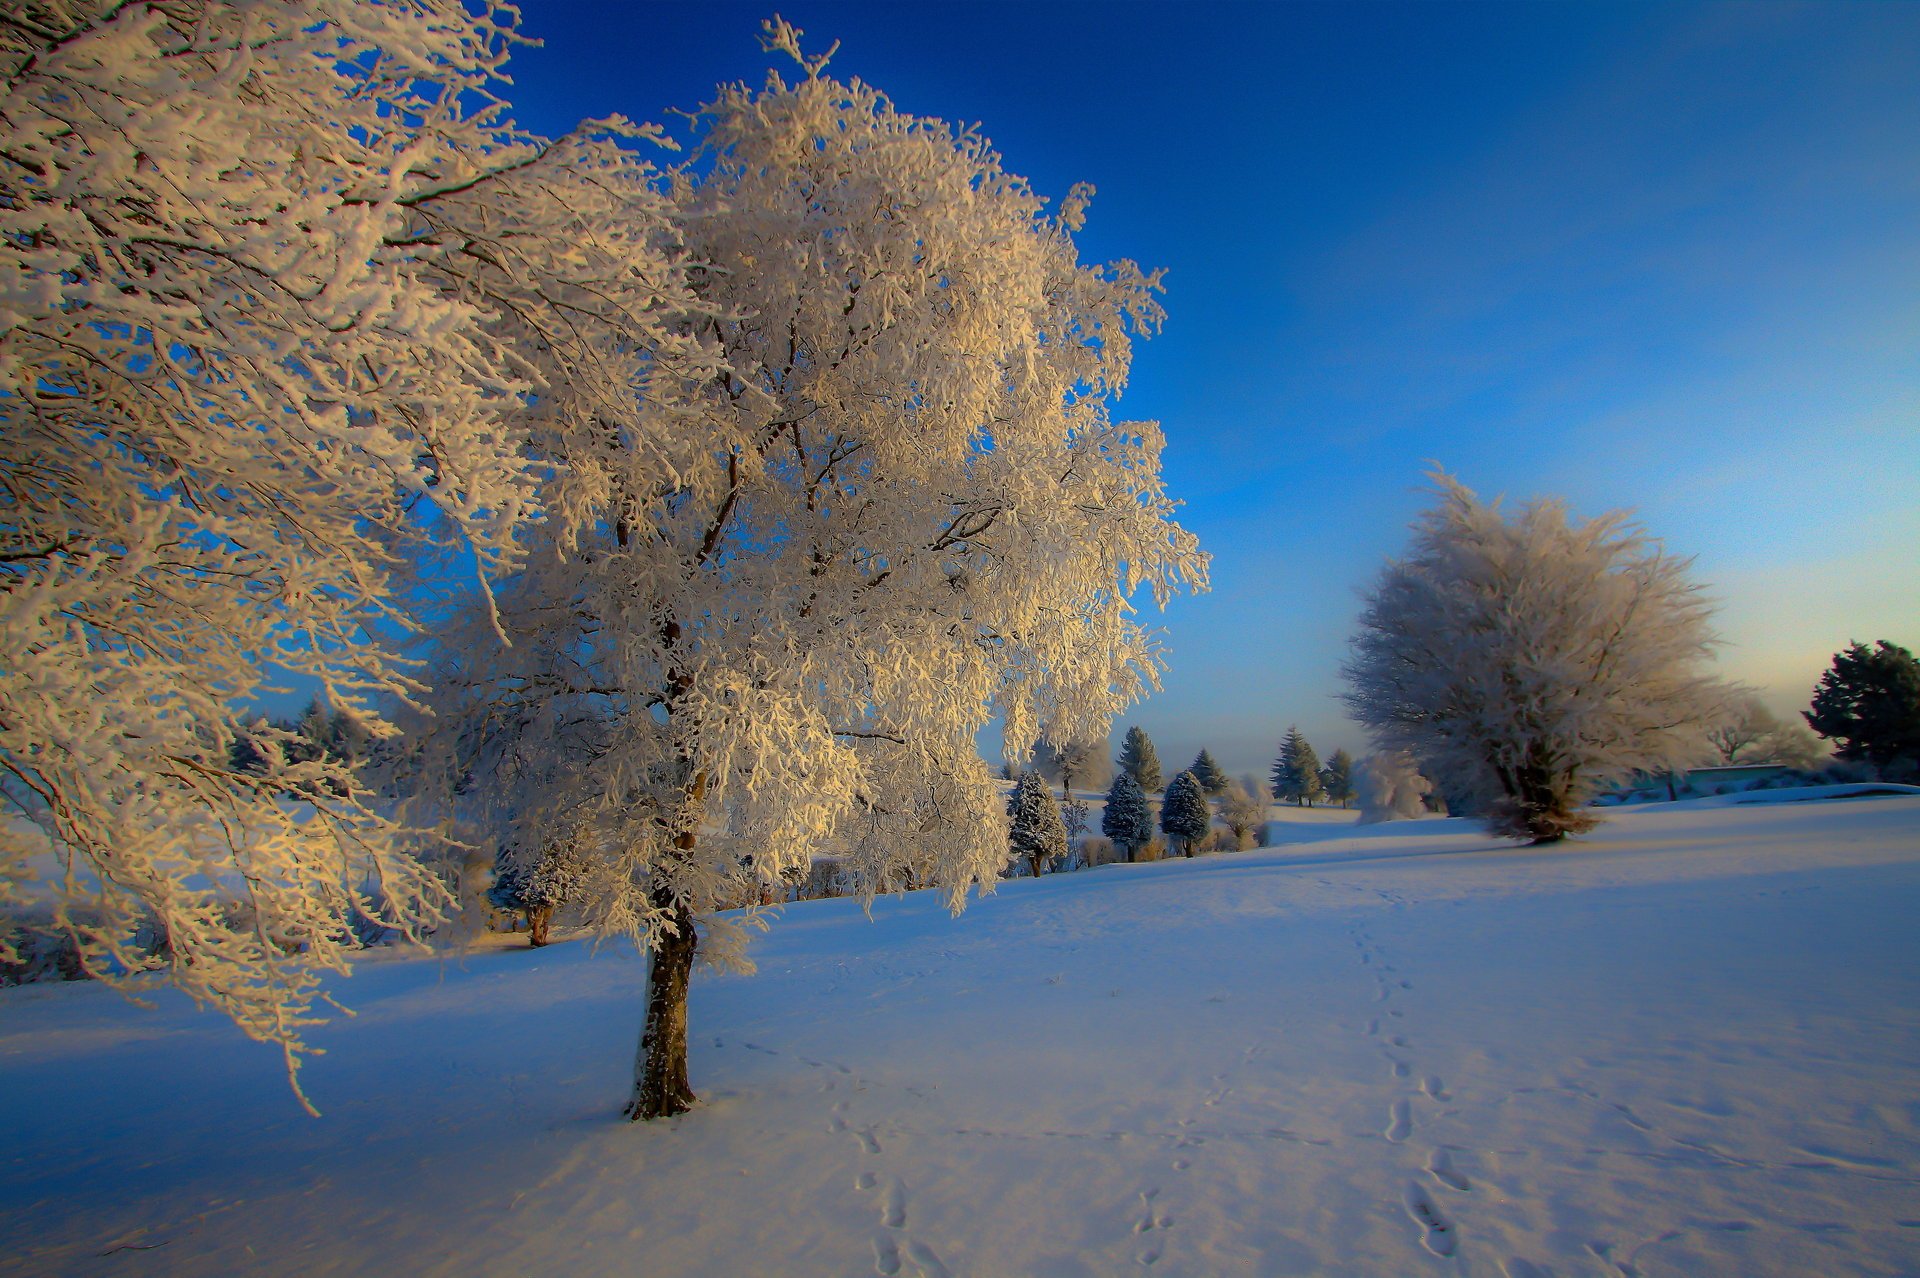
<point>1687,1045</point>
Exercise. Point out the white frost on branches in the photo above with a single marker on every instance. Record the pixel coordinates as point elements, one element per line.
<point>283,299</point>
<point>1533,659</point>
<point>1390,787</point>
<point>772,624</point>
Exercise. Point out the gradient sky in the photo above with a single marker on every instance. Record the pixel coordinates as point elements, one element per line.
<point>1664,257</point>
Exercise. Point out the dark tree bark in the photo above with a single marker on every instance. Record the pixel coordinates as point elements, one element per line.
<point>540,925</point>
<point>660,1086</point>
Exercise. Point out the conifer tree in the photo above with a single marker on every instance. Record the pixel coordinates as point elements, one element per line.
<point>1336,779</point>
<point>1137,757</point>
<point>1296,773</point>
<point>1036,831</point>
<point>1128,820</point>
<point>1184,815</point>
<point>1869,702</point>
<point>1210,775</point>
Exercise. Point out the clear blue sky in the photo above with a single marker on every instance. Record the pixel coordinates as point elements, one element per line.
<point>1664,257</point>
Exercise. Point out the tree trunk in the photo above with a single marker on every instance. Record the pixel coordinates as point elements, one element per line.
<point>539,925</point>
<point>1036,860</point>
<point>660,1087</point>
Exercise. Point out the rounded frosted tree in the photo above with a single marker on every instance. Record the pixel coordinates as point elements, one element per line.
<point>771,613</point>
<point>1390,787</point>
<point>1128,818</point>
<point>1185,817</point>
<point>1534,659</point>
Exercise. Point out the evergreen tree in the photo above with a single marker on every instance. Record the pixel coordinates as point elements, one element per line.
<point>1336,779</point>
<point>1138,758</point>
<point>1184,814</point>
<point>1035,829</point>
<point>1296,773</point>
<point>1869,701</point>
<point>1212,778</point>
<point>1128,820</point>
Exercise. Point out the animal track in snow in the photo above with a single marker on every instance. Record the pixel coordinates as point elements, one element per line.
<point>1400,1122</point>
<point>1431,1086</point>
<point>1149,1218</point>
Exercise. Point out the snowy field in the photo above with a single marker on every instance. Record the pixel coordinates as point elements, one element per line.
<point>1687,1045</point>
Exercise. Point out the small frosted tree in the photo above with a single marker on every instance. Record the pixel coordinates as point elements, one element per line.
<point>1185,817</point>
<point>1869,702</point>
<point>1036,833</point>
<point>1242,809</point>
<point>1336,778</point>
<point>1390,787</point>
<point>769,613</point>
<point>1139,760</point>
<point>1534,659</point>
<point>1128,818</point>
<point>1212,778</point>
<point>1296,772</point>
<point>538,886</point>
<point>1077,765</point>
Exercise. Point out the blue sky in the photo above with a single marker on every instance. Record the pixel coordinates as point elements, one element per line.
<point>1663,257</point>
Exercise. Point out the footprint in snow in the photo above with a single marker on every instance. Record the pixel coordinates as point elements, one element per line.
<point>1431,1086</point>
<point>893,1207</point>
<point>1440,1166</point>
<point>1437,1234</point>
<point>1400,1122</point>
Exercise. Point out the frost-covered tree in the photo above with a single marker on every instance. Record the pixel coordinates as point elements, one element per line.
<point>1869,702</point>
<point>1185,817</point>
<point>1128,818</point>
<point>1036,833</point>
<point>1243,809</point>
<point>1296,771</point>
<point>1744,723</point>
<point>1078,765</point>
<point>536,887</point>
<point>1212,778</point>
<point>1534,658</point>
<point>1139,760</point>
<point>285,297</point>
<point>1336,778</point>
<point>1390,787</point>
<point>765,622</point>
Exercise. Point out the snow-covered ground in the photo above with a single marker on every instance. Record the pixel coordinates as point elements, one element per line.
<point>1687,1045</point>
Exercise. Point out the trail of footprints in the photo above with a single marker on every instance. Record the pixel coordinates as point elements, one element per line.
<point>895,1251</point>
<point>1420,1200</point>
